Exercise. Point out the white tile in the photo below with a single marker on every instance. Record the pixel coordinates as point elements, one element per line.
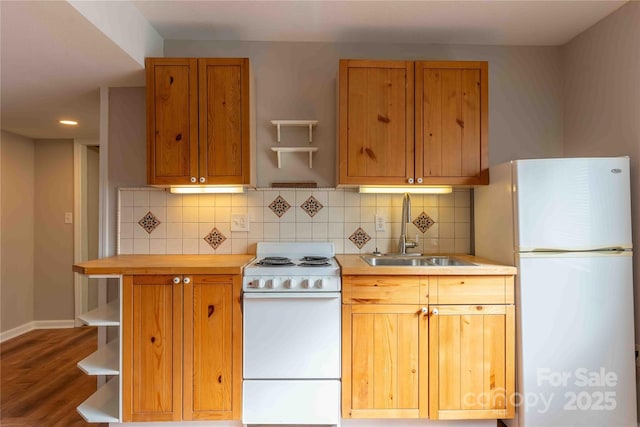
<point>303,231</point>
<point>417,201</point>
<point>126,197</point>
<point>462,230</point>
<point>290,215</point>
<point>287,231</point>
<point>160,212</point>
<point>351,198</point>
<point>190,214</point>
<point>432,212</point>
<point>301,196</point>
<point>335,214</point>
<point>223,200</point>
<point>462,246</point>
<point>302,216</point>
<point>126,246</point>
<point>431,246</point>
<point>204,248</point>
<point>190,246</point>
<point>462,214</point>
<point>141,246</point>
<point>174,199</point>
<point>206,214</point>
<point>387,245</point>
<point>174,214</point>
<point>395,214</point>
<point>336,197</point>
<point>321,196</point>
<point>158,246</point>
<point>190,200</point>
<point>190,230</point>
<point>239,246</point>
<point>126,230</point>
<point>207,200</point>
<point>224,228</point>
<point>255,198</point>
<point>338,245</point>
<point>139,212</point>
<point>352,214</point>
<point>350,247</point>
<point>446,200</point>
<point>126,214</point>
<point>395,228</point>
<point>335,230</point>
<point>396,200</point>
<point>224,248</point>
<point>368,247</point>
<point>255,214</point>
<point>269,196</point>
<point>446,230</point>
<point>447,246</point>
<point>141,198</point>
<point>256,230</point>
<point>160,232</point>
<point>139,232</point>
<point>205,228</point>
<point>446,214</point>
<point>369,228</point>
<point>271,230</point>
<point>319,231</point>
<point>462,198</point>
<point>350,228</point>
<point>433,232</point>
<point>239,200</point>
<point>367,200</point>
<point>289,196</point>
<point>368,214</point>
<point>174,246</point>
<point>383,200</point>
<point>157,198</point>
<point>223,214</point>
<point>430,200</point>
<point>269,216</point>
<point>321,216</point>
<point>174,230</point>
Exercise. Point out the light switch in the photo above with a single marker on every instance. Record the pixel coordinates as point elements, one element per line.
<point>381,224</point>
<point>68,217</point>
<point>239,222</point>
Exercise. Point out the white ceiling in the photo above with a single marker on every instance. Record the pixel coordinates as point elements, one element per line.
<point>53,60</point>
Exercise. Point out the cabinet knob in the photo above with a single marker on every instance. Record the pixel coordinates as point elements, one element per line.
<point>419,180</point>
<point>434,311</point>
<point>176,280</point>
<point>424,310</point>
<point>186,280</point>
<point>202,180</point>
<point>410,180</point>
<point>193,179</point>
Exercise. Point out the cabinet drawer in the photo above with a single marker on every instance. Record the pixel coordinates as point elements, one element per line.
<point>381,290</point>
<point>470,290</point>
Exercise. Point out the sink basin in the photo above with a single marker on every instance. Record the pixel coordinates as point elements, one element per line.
<point>414,261</point>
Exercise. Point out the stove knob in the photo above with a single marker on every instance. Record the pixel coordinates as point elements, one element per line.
<point>319,283</point>
<point>258,283</point>
<point>306,283</point>
<point>290,283</point>
<point>273,283</point>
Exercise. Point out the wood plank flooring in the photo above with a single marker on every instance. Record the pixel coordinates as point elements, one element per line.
<point>40,382</point>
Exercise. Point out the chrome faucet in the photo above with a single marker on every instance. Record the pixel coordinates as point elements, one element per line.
<point>403,244</point>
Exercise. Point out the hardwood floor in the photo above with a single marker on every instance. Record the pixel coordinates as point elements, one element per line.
<point>40,382</point>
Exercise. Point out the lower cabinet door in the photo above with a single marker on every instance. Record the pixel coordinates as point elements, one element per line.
<point>384,361</point>
<point>471,361</point>
<point>151,349</point>
<point>209,383</point>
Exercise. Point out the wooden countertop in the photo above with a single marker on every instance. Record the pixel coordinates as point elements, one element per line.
<point>165,264</point>
<point>355,265</point>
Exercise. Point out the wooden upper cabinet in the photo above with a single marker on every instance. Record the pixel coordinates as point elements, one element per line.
<point>404,122</point>
<point>375,122</point>
<point>198,121</point>
<point>451,122</point>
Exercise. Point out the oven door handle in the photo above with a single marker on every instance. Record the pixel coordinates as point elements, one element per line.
<point>292,295</point>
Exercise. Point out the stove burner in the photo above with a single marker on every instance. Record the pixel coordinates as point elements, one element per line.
<point>314,259</point>
<point>275,261</point>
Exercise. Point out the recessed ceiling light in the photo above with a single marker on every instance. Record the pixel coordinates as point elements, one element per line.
<point>69,122</point>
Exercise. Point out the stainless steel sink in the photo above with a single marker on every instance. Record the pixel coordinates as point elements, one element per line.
<point>414,261</point>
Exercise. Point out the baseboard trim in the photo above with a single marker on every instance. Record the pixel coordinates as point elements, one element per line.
<point>36,324</point>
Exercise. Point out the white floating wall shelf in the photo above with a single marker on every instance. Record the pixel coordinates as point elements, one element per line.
<point>280,150</point>
<point>308,123</point>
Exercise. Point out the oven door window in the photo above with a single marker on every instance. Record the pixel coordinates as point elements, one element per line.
<point>291,336</point>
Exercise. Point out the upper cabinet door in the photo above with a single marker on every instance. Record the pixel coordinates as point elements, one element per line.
<point>451,122</point>
<point>224,121</point>
<point>172,120</point>
<point>375,122</point>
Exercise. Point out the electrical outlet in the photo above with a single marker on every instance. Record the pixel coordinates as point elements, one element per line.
<point>381,223</point>
<point>68,218</point>
<point>239,222</point>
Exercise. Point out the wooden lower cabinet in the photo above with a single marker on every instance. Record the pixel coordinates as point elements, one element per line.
<point>471,361</point>
<point>181,359</point>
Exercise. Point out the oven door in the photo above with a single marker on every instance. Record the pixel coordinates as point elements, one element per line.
<point>291,336</point>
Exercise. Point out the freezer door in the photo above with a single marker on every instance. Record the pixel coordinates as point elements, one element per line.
<point>572,204</point>
<point>575,340</point>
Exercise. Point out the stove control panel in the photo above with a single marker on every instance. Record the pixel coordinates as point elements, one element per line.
<point>291,284</point>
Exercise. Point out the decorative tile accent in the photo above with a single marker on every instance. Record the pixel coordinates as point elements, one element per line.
<point>423,222</point>
<point>311,206</point>
<point>215,238</point>
<point>359,238</point>
<point>279,206</point>
<point>149,222</point>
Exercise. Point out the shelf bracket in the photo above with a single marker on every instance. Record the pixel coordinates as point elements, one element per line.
<point>280,150</point>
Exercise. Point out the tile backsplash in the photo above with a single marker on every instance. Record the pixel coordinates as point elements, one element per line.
<point>154,221</point>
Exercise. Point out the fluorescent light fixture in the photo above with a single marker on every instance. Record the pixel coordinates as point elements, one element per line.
<point>394,189</point>
<point>69,122</point>
<point>207,189</point>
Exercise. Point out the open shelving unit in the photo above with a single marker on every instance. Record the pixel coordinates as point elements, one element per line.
<point>279,150</point>
<point>103,405</point>
<point>105,361</point>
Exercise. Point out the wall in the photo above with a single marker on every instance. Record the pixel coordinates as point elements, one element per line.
<point>93,214</point>
<point>17,156</point>
<point>602,102</point>
<point>53,278</point>
<point>298,81</point>
<point>154,221</point>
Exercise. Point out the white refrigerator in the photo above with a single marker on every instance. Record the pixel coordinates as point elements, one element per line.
<point>566,225</point>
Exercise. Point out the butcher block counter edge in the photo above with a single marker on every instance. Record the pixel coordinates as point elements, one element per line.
<point>355,265</point>
<point>165,264</point>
